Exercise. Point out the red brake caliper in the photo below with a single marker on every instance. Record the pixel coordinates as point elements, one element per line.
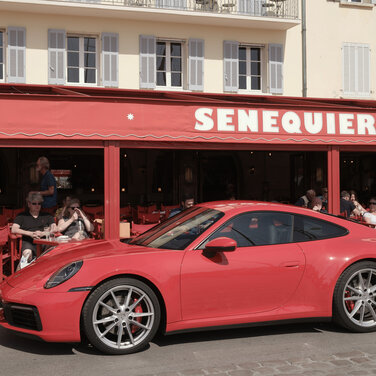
<point>138,309</point>
<point>349,303</point>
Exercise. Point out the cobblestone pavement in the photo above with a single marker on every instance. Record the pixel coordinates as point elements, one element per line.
<point>339,364</point>
<point>303,349</point>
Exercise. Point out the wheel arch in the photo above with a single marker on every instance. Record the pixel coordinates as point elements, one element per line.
<point>162,325</point>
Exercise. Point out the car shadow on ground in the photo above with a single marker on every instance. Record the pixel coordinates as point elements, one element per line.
<point>14,340</point>
<point>244,332</point>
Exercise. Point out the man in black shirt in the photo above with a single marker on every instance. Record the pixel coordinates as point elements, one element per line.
<point>30,224</point>
<point>346,205</point>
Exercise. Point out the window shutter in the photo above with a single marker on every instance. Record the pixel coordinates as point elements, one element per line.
<point>110,59</point>
<point>276,68</point>
<point>196,64</point>
<point>16,54</point>
<point>356,69</point>
<point>252,7</point>
<point>177,4</point>
<point>230,65</point>
<point>56,57</point>
<point>147,62</point>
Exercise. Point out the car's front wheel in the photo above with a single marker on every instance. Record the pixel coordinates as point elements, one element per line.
<point>354,300</point>
<point>121,316</point>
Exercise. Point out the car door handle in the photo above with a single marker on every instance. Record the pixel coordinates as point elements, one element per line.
<point>291,264</point>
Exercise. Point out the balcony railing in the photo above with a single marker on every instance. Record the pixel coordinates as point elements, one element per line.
<point>285,9</point>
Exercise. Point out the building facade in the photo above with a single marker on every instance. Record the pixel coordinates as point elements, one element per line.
<point>226,48</point>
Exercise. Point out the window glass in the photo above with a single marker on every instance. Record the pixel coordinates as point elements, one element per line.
<point>308,228</point>
<point>180,230</point>
<point>82,59</point>
<point>257,228</point>
<point>249,68</point>
<point>169,64</point>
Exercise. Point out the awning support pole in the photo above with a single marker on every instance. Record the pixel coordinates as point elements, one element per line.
<point>333,180</point>
<point>111,189</point>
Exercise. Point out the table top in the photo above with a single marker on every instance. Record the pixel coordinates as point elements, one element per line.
<point>277,1</point>
<point>228,5</point>
<point>46,242</point>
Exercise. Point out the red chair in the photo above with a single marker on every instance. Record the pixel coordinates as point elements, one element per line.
<point>126,212</point>
<point>137,229</point>
<point>148,218</point>
<point>10,245</point>
<point>94,211</point>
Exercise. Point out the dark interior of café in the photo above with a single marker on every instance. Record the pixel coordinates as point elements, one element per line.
<point>162,177</point>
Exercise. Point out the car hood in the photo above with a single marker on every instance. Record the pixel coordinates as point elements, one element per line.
<point>38,272</point>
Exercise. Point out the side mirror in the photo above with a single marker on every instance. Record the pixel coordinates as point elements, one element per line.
<point>221,245</point>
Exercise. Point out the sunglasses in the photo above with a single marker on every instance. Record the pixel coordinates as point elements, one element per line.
<point>74,207</point>
<point>372,203</point>
<point>36,203</point>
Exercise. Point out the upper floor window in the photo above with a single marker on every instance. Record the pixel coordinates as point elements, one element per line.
<point>245,70</point>
<point>356,69</point>
<point>165,63</point>
<point>169,64</point>
<point>75,59</point>
<point>81,60</point>
<point>250,68</point>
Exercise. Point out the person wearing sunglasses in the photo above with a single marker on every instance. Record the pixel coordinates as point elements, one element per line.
<point>31,224</point>
<point>75,222</point>
<point>370,216</point>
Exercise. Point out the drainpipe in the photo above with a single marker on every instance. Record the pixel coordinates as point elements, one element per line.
<point>304,48</point>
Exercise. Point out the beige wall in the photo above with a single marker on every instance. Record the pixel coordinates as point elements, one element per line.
<point>37,26</point>
<point>329,25</point>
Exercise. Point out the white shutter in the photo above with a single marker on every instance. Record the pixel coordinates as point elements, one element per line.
<point>56,57</point>
<point>230,66</point>
<point>147,62</point>
<point>196,64</point>
<point>16,54</point>
<point>276,68</point>
<point>177,4</point>
<point>356,69</point>
<point>110,60</point>
<point>252,7</point>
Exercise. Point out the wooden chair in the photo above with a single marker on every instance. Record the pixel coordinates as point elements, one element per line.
<point>94,211</point>
<point>10,246</point>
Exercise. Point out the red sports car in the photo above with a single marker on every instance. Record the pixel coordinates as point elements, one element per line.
<point>213,265</point>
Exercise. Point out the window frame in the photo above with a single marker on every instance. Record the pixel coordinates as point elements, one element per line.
<point>81,60</point>
<point>183,46</point>
<point>248,74</point>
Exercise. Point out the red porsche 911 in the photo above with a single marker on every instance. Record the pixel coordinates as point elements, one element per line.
<point>216,264</point>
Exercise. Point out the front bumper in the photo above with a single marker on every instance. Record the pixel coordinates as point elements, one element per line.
<point>53,317</point>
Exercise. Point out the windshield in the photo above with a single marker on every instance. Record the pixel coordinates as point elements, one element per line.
<point>180,230</point>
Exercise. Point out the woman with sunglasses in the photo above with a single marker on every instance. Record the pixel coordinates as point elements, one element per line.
<point>370,216</point>
<point>75,222</point>
<point>30,224</point>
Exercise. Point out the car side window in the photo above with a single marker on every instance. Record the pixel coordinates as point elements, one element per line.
<point>257,228</point>
<point>308,228</point>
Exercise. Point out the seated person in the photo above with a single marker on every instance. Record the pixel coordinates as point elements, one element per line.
<point>30,224</point>
<point>370,216</point>
<point>75,222</point>
<point>186,203</point>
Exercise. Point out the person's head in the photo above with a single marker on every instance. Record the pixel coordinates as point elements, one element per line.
<point>315,204</point>
<point>311,194</point>
<point>187,202</point>
<point>372,204</point>
<point>345,195</point>
<point>353,196</point>
<point>74,203</point>
<point>34,202</point>
<point>324,192</point>
<point>43,164</point>
<point>66,201</point>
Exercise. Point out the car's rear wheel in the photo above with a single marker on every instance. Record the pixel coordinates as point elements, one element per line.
<point>354,300</point>
<point>121,316</point>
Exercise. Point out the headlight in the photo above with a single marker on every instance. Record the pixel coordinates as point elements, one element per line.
<point>63,274</point>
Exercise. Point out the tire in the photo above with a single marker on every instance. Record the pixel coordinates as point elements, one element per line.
<point>354,299</point>
<point>121,316</point>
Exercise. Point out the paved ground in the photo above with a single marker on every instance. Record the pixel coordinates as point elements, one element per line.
<point>303,349</point>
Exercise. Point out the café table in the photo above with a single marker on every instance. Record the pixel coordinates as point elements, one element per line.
<point>40,242</point>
